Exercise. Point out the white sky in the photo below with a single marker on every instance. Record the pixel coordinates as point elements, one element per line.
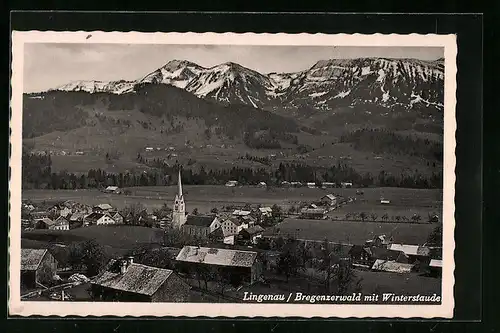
<point>50,65</point>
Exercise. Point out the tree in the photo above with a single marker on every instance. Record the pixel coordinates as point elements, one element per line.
<point>416,217</point>
<point>195,211</point>
<point>277,213</point>
<point>326,262</point>
<point>398,218</point>
<point>436,237</point>
<point>88,254</point>
<point>363,216</point>
<point>134,214</point>
<point>385,217</point>
<point>290,261</point>
<point>348,216</point>
<point>214,210</point>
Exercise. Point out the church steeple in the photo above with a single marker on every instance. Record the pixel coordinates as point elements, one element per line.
<point>179,211</point>
<point>179,185</point>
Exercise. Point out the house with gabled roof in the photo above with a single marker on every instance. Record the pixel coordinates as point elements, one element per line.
<point>98,219</point>
<point>239,266</point>
<point>414,252</point>
<point>61,223</point>
<point>102,208</point>
<point>329,200</point>
<point>231,226</point>
<point>43,223</point>
<point>249,235</point>
<point>38,268</point>
<point>126,281</point>
<point>392,266</point>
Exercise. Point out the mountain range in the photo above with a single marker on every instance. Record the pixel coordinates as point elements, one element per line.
<point>404,84</point>
<point>320,115</point>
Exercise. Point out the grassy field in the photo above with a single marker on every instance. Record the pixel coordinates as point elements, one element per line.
<point>204,198</point>
<point>400,284</point>
<point>352,232</point>
<point>116,240</point>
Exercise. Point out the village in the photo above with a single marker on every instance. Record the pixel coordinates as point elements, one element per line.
<point>213,256</point>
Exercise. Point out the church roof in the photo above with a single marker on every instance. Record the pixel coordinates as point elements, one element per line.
<point>200,220</point>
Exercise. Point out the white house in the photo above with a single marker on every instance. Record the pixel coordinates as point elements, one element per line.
<point>112,189</point>
<point>98,219</point>
<point>232,183</point>
<point>265,211</point>
<point>385,201</point>
<point>61,223</point>
<point>231,226</point>
<point>239,212</point>
<point>329,199</point>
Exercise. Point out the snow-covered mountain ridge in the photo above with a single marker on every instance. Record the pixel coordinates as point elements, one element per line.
<point>404,83</point>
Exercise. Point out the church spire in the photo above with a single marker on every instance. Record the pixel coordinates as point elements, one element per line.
<point>179,184</point>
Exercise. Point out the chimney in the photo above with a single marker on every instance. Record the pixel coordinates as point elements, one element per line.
<point>123,267</point>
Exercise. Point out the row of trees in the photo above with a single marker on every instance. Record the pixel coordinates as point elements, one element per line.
<point>364,216</point>
<point>37,173</point>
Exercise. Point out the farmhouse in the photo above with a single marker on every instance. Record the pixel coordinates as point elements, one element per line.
<point>327,185</point>
<point>367,256</point>
<point>76,217</point>
<point>239,266</point>
<point>43,223</point>
<point>265,211</point>
<point>385,202</point>
<point>249,235</point>
<point>296,184</point>
<point>60,210</point>
<point>391,266</point>
<point>329,200</point>
<point>98,219</point>
<point>200,226</point>
<point>346,184</point>
<point>112,189</point>
<point>435,267</point>
<point>313,213</point>
<point>231,226</point>
<point>311,185</point>
<point>232,183</point>
<point>239,212</point>
<point>414,252</point>
<point>262,184</point>
<point>126,281</point>
<point>61,223</point>
<point>379,241</point>
<point>117,217</point>
<point>102,208</point>
<point>38,267</point>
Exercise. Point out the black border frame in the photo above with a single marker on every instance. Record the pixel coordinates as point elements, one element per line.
<point>468,201</point>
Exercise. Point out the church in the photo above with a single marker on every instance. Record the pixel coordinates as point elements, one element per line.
<point>202,226</point>
<point>179,210</point>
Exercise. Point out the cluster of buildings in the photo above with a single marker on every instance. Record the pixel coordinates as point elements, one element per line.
<point>319,209</point>
<point>237,227</point>
<point>382,254</point>
<point>123,280</point>
<point>69,215</point>
<point>230,257</point>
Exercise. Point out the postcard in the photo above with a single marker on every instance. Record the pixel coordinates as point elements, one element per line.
<point>232,175</point>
